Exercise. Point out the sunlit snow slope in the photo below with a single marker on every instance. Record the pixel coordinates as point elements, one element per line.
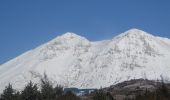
<point>74,61</point>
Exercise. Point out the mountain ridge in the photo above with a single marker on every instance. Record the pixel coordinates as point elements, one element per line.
<point>74,61</point>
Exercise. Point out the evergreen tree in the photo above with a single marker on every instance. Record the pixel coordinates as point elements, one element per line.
<point>58,91</point>
<point>162,93</point>
<point>17,96</point>
<point>8,93</point>
<point>30,92</point>
<point>47,90</point>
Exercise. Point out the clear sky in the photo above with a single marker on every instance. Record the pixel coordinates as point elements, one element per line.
<point>25,24</point>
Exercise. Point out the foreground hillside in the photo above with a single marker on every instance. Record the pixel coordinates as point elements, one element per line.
<point>74,61</point>
<point>139,89</point>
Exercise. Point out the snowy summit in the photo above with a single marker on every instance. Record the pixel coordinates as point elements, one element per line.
<point>74,61</point>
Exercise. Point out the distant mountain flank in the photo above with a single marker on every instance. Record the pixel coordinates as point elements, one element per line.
<point>74,61</point>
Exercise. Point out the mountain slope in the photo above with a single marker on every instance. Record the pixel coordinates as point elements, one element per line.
<point>74,61</point>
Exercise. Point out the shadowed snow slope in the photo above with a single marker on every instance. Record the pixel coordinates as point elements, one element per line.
<point>74,61</point>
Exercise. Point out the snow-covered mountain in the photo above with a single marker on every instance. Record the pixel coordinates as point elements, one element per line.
<point>74,61</point>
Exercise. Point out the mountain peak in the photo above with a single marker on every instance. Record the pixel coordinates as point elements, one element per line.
<point>68,40</point>
<point>135,31</point>
<point>70,35</point>
<point>72,61</point>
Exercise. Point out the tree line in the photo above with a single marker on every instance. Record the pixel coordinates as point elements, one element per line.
<point>31,92</point>
<point>47,91</point>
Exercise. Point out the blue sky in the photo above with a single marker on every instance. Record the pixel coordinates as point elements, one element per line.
<point>25,24</point>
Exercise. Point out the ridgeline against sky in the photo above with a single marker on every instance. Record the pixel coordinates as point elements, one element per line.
<point>27,24</point>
